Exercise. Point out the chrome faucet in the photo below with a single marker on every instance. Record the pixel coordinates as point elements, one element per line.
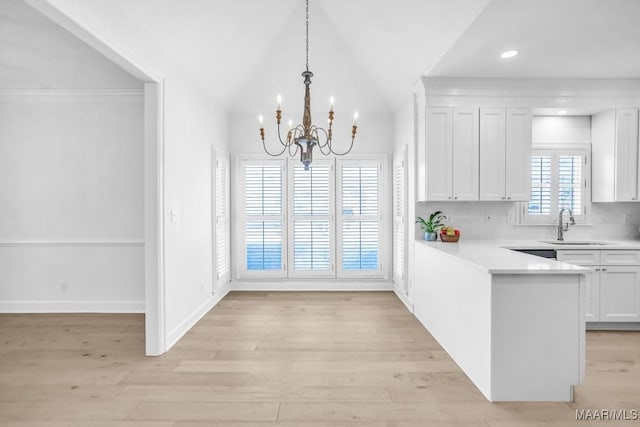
<point>561,228</point>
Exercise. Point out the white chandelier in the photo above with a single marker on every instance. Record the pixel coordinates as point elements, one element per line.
<point>306,136</point>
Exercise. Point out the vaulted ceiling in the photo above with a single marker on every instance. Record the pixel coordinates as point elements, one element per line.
<point>368,53</point>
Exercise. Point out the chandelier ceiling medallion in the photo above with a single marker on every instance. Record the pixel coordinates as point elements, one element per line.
<point>306,136</point>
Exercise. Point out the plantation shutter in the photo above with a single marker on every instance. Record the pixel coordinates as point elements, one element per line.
<point>570,182</point>
<point>398,221</point>
<point>264,216</point>
<point>359,228</point>
<point>311,228</point>
<point>540,200</point>
<point>222,231</point>
<point>558,180</point>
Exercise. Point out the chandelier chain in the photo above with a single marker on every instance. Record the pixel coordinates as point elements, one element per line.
<point>307,42</point>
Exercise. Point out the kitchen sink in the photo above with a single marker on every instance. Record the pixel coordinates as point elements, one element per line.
<point>568,242</point>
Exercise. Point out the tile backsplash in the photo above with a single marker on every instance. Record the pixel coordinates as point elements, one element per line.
<point>485,220</point>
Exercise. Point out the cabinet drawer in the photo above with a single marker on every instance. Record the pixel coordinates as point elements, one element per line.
<point>620,257</point>
<point>579,257</point>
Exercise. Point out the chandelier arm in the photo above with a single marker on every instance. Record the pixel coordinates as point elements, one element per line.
<point>292,145</point>
<point>264,145</point>
<point>345,152</point>
<point>280,137</point>
<point>326,144</point>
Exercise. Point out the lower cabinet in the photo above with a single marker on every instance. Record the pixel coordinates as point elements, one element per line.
<point>613,287</point>
<point>619,294</point>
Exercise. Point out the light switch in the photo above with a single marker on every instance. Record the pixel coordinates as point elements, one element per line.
<point>174,215</point>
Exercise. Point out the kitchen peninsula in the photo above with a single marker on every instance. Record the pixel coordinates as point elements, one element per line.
<point>513,322</point>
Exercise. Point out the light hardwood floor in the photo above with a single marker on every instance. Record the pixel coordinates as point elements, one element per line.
<point>276,359</point>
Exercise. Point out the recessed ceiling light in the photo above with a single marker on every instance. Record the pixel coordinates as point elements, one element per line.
<point>508,54</point>
<point>562,112</point>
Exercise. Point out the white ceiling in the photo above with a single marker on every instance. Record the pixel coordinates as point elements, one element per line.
<point>35,53</point>
<point>368,53</point>
<point>555,38</point>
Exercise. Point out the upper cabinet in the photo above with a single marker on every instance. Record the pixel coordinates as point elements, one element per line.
<point>505,146</point>
<point>615,156</point>
<point>451,154</point>
<point>475,153</point>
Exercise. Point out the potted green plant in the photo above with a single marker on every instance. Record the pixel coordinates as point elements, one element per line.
<point>432,225</point>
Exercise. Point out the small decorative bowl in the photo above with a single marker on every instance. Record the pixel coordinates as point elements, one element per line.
<point>451,239</point>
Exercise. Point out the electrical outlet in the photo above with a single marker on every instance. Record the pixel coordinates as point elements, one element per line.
<point>64,286</point>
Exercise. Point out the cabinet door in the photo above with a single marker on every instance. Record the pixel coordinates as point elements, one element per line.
<point>626,155</point>
<point>492,154</point>
<point>592,303</point>
<point>465,154</point>
<point>518,152</point>
<point>619,294</point>
<point>438,154</point>
<point>579,257</point>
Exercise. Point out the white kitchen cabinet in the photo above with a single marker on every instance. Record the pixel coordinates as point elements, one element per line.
<point>615,156</point>
<point>613,285</point>
<point>439,154</point>
<point>492,153</point>
<point>451,153</point>
<point>619,294</point>
<point>505,146</point>
<point>465,154</point>
<point>518,154</point>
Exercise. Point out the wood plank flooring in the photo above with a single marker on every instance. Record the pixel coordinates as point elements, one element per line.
<point>276,359</point>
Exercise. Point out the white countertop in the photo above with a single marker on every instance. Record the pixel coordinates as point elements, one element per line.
<point>607,244</point>
<point>494,258</point>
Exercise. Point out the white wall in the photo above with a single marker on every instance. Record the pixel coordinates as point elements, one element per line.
<point>71,172</point>
<point>194,127</point>
<point>71,191</point>
<point>479,220</point>
<point>192,124</point>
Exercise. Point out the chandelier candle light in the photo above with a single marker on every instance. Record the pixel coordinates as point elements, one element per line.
<point>306,136</point>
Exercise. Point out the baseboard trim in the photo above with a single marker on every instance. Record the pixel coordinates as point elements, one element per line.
<point>178,332</point>
<point>613,326</point>
<point>310,286</point>
<point>408,302</point>
<point>71,306</point>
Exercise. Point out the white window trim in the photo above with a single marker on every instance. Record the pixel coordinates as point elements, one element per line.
<point>582,218</point>
<point>238,260</point>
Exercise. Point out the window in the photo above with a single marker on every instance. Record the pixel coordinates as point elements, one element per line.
<point>222,220</point>
<point>263,216</point>
<point>359,216</point>
<point>311,210</point>
<point>399,220</point>
<point>559,179</point>
<point>323,222</point>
